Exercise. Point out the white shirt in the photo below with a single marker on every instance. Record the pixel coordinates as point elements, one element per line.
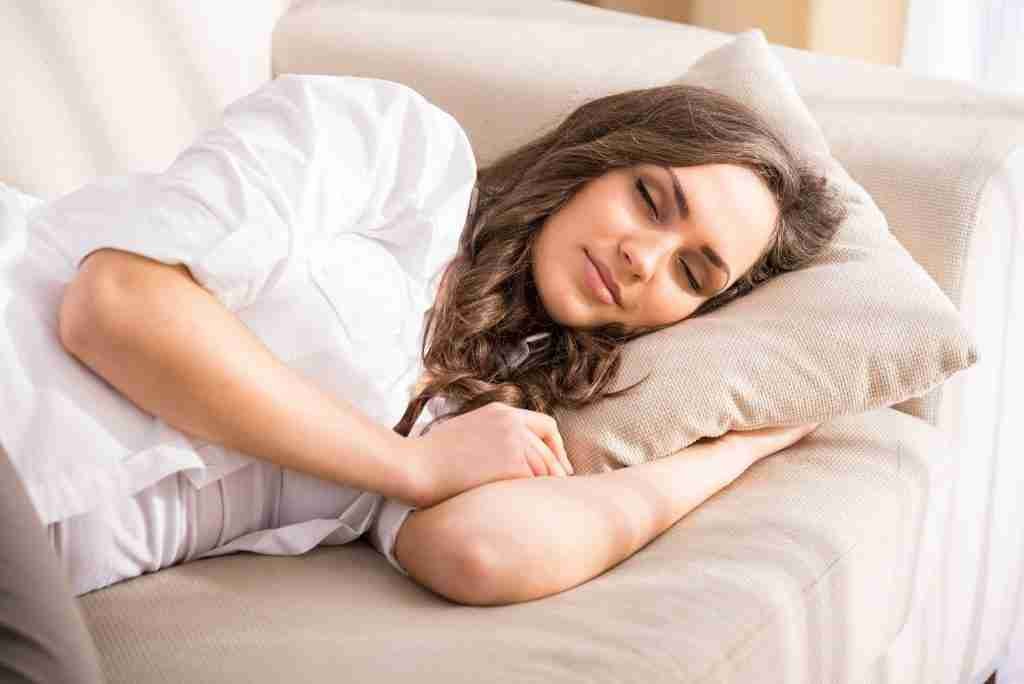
<point>321,211</point>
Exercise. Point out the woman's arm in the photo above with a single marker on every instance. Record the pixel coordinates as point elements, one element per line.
<point>518,540</point>
<point>170,347</point>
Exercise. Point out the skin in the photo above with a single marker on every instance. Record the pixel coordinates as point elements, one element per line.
<point>730,209</point>
<point>505,542</point>
<point>500,543</point>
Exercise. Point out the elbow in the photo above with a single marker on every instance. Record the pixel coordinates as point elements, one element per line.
<point>71,318</point>
<point>488,577</point>
<point>481,579</point>
<point>445,559</point>
<point>86,309</point>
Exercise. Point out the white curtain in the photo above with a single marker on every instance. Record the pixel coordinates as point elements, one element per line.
<point>981,41</point>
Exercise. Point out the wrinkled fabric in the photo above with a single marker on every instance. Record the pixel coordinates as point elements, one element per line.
<point>254,508</point>
<point>321,211</point>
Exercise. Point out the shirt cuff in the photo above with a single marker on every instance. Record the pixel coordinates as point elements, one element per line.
<point>384,530</point>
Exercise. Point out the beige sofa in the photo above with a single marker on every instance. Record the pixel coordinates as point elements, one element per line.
<point>896,553</point>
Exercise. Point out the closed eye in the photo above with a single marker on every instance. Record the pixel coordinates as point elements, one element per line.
<point>647,196</point>
<point>642,188</point>
<point>689,276</point>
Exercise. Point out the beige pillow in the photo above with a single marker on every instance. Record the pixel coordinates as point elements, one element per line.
<point>862,326</point>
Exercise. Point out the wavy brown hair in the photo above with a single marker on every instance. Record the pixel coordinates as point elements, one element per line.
<point>487,302</point>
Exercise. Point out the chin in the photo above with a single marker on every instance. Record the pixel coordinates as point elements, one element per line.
<point>579,321</point>
<point>562,300</point>
<point>561,318</point>
<point>561,312</point>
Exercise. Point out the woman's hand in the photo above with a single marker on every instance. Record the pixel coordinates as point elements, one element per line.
<point>493,442</point>
<point>757,444</point>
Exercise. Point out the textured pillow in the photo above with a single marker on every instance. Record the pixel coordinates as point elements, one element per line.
<point>861,327</point>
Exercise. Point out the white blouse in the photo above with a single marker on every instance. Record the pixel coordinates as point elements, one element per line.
<point>321,211</point>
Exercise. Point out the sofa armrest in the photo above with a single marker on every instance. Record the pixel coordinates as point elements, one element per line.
<point>944,161</point>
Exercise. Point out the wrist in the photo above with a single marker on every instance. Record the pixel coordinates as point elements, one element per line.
<point>416,474</point>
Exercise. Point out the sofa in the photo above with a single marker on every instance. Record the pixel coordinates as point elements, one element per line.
<point>899,555</point>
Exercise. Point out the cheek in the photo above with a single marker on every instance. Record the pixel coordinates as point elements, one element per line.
<point>542,255</point>
<point>667,305</point>
<point>554,264</point>
<point>544,264</point>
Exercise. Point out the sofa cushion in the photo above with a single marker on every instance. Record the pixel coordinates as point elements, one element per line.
<point>800,570</point>
<point>861,326</point>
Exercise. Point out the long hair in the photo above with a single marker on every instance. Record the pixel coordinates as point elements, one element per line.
<point>488,302</point>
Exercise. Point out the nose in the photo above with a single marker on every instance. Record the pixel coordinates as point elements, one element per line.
<point>644,250</point>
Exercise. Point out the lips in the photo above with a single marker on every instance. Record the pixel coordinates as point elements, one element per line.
<point>606,276</point>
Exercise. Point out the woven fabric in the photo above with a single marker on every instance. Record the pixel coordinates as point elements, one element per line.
<point>863,326</point>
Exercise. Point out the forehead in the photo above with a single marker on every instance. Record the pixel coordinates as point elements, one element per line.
<point>732,210</point>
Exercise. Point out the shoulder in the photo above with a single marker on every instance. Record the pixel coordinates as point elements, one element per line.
<point>328,85</point>
<point>373,95</point>
<point>342,83</point>
<point>372,109</point>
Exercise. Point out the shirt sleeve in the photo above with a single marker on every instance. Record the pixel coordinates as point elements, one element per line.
<point>392,513</point>
<point>383,531</point>
<point>290,166</point>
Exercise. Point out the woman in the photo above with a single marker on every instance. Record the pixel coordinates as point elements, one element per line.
<point>318,215</point>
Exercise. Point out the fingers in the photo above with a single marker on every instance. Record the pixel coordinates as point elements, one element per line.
<point>553,442</point>
<point>550,464</point>
<point>536,460</point>
<point>546,429</point>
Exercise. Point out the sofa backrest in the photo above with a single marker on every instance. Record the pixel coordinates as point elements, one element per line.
<point>96,88</point>
<point>510,71</point>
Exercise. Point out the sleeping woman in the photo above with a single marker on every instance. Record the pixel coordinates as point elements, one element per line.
<point>322,322</point>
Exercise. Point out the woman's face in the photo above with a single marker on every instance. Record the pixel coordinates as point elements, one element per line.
<point>665,259</point>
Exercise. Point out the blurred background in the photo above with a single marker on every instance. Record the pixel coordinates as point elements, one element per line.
<point>981,41</point>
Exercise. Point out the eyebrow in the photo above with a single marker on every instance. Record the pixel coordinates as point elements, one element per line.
<point>684,212</point>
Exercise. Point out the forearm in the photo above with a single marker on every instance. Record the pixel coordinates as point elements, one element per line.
<point>534,537</point>
<point>170,347</point>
